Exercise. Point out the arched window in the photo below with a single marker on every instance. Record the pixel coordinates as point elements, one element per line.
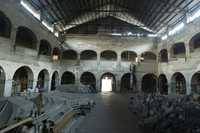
<point>22,79</point>
<point>26,38</point>
<point>68,78</point>
<point>149,83</point>
<point>5,25</point>
<point>163,55</point>
<point>56,54</point>
<point>148,56</point>
<point>88,55</point>
<point>178,83</point>
<point>178,50</point>
<point>45,48</point>
<point>109,55</point>
<point>162,84</point>
<point>69,55</point>
<point>128,56</point>
<point>194,43</point>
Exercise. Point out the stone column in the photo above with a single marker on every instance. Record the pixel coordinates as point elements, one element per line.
<point>13,38</point>
<point>8,88</point>
<point>188,85</point>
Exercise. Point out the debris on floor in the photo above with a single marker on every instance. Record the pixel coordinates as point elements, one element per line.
<point>166,114</point>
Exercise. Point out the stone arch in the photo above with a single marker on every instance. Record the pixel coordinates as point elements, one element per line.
<point>88,78</point>
<point>128,83</point>
<point>163,84</point>
<point>194,43</point>
<point>163,55</point>
<point>149,83</point>
<point>88,55</point>
<point>45,48</point>
<point>148,56</point>
<point>178,83</point>
<point>5,25</point>
<point>2,81</point>
<point>108,55</point>
<point>110,76</point>
<point>178,50</point>
<point>43,80</point>
<point>22,79</point>
<point>56,54</point>
<point>69,55</point>
<point>68,78</point>
<point>26,38</point>
<point>54,80</point>
<point>128,56</point>
<point>195,83</point>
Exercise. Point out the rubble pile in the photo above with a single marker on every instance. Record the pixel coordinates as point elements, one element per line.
<point>44,112</point>
<point>166,114</point>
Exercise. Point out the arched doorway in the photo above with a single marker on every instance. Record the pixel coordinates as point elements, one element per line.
<point>26,38</point>
<point>149,83</point>
<point>88,55</point>
<point>88,78</point>
<point>2,81</point>
<point>195,83</point>
<point>54,81</point>
<point>22,80</point>
<point>128,82</point>
<point>45,48</point>
<point>108,82</point>
<point>178,50</point>
<point>43,80</point>
<point>108,55</point>
<point>69,55</point>
<point>5,25</point>
<point>128,56</point>
<point>163,55</point>
<point>178,83</point>
<point>162,84</point>
<point>149,56</point>
<point>68,78</point>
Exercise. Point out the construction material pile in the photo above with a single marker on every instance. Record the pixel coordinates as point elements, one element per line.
<point>44,112</point>
<point>166,114</point>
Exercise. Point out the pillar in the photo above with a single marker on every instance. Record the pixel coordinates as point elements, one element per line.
<point>8,88</point>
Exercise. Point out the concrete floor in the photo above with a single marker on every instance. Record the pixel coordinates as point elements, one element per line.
<point>110,115</point>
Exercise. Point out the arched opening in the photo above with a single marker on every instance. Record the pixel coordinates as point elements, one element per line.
<point>2,81</point>
<point>108,82</point>
<point>54,81</point>
<point>149,83</point>
<point>22,80</point>
<point>163,55</point>
<point>148,56</point>
<point>128,56</point>
<point>109,55</point>
<point>56,54</point>
<point>178,83</point>
<point>163,84</point>
<point>45,48</point>
<point>43,80</point>
<point>128,82</point>
<point>5,25</point>
<point>195,83</point>
<point>194,43</point>
<point>26,38</point>
<point>69,55</point>
<point>178,50</point>
<point>88,78</point>
<point>68,78</point>
<point>88,55</point>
